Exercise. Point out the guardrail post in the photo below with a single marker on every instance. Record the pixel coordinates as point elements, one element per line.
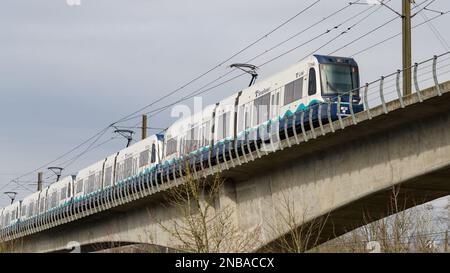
<point>311,125</point>
<point>436,82</point>
<point>399,92</point>
<point>416,83</point>
<point>330,121</point>
<point>302,120</point>
<point>383,102</point>
<point>294,127</point>
<point>286,133</point>
<point>338,111</point>
<point>350,104</point>
<point>366,101</point>
<point>319,115</point>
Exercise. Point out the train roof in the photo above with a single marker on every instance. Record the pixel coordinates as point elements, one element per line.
<point>324,59</point>
<point>184,123</point>
<point>12,206</point>
<point>30,198</point>
<point>83,173</point>
<point>139,146</point>
<point>61,183</point>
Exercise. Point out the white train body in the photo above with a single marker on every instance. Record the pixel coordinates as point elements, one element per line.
<point>59,193</point>
<point>89,180</point>
<point>30,206</point>
<point>11,214</point>
<point>138,157</point>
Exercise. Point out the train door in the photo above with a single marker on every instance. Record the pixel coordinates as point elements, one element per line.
<point>312,85</point>
<point>275,102</point>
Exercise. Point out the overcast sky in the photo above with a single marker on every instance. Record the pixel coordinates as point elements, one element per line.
<point>68,71</point>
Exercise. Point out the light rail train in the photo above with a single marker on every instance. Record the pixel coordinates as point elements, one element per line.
<point>318,89</point>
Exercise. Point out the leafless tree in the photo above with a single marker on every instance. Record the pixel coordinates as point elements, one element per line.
<point>296,233</point>
<point>406,230</point>
<point>204,224</point>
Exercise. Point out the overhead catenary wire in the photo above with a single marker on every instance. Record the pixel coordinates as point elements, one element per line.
<point>202,89</point>
<point>159,110</point>
<point>58,158</point>
<point>222,62</point>
<point>396,35</point>
<point>365,35</point>
<point>433,29</point>
<point>71,161</point>
<point>376,29</point>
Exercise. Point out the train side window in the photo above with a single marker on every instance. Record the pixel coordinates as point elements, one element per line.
<point>42,207</point>
<point>31,209</point>
<point>153,157</point>
<point>206,135</point>
<point>197,139</point>
<point>171,146</point>
<point>24,210</point>
<point>293,91</point>
<point>92,183</point>
<point>53,200</point>
<point>143,158</point>
<point>220,128</point>
<point>79,186</point>
<point>128,167</point>
<point>181,144</point>
<point>312,88</point>
<point>298,88</point>
<point>223,123</point>
<point>288,93</point>
<point>248,116</point>
<point>262,108</point>
<point>108,176</point>
<point>134,166</point>
<point>244,117</point>
<point>98,180</point>
<point>192,142</point>
<point>241,121</point>
<point>63,193</point>
<point>277,104</point>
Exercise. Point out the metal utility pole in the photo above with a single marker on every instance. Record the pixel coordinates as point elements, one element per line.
<point>144,127</point>
<point>39,182</point>
<point>407,51</point>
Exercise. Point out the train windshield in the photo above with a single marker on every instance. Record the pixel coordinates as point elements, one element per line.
<point>338,78</point>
